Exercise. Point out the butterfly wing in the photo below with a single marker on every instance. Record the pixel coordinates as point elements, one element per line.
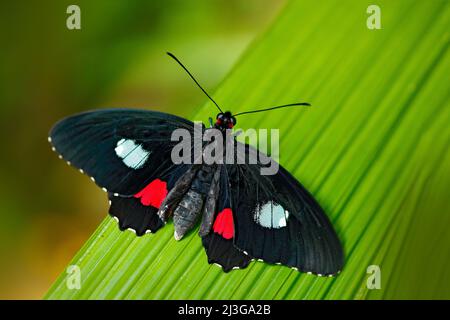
<point>126,152</point>
<point>278,221</point>
<point>218,243</point>
<point>121,149</point>
<point>132,214</point>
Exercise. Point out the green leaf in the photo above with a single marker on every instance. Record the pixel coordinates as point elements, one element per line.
<point>373,150</point>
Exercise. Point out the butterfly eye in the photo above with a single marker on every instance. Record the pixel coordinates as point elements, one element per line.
<point>219,116</point>
<point>233,121</point>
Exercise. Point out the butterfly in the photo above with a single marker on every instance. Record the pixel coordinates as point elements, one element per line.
<point>243,215</point>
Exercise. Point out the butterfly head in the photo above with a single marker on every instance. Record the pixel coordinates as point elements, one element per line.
<point>225,120</point>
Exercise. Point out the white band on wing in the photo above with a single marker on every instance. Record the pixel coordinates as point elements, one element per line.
<point>271,215</point>
<point>132,154</point>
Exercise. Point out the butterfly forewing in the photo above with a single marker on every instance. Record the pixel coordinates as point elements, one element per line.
<point>121,149</point>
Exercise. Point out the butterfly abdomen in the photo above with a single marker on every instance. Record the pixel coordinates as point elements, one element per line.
<point>187,213</point>
<point>189,209</point>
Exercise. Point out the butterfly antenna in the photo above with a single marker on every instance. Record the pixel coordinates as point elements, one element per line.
<point>198,84</point>
<point>273,108</point>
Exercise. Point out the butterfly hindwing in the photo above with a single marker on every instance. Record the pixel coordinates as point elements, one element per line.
<point>218,242</point>
<point>223,252</point>
<point>140,212</point>
<point>132,214</point>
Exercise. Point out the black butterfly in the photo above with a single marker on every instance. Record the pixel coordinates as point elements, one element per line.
<point>244,215</point>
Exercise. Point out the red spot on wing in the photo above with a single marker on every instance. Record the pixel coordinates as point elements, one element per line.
<point>224,224</point>
<point>153,194</point>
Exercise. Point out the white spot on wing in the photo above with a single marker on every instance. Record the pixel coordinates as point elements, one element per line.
<point>132,154</point>
<point>271,215</point>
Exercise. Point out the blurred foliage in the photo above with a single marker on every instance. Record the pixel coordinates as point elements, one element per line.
<point>374,150</point>
<point>117,59</point>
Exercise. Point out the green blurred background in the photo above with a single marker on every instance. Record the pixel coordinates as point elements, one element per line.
<point>117,59</point>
